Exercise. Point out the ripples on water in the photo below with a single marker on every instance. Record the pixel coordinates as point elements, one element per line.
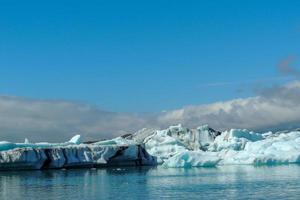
<point>230,182</point>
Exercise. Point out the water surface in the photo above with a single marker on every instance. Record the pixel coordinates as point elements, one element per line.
<point>228,182</point>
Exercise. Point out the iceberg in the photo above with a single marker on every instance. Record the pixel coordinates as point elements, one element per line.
<point>4,145</point>
<point>71,154</point>
<point>281,149</point>
<point>176,146</point>
<point>74,140</point>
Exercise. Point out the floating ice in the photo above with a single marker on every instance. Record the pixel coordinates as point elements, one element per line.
<point>116,141</point>
<point>281,149</point>
<point>175,146</point>
<point>83,155</point>
<point>26,141</point>
<point>181,147</point>
<point>4,145</point>
<point>189,159</point>
<point>75,139</point>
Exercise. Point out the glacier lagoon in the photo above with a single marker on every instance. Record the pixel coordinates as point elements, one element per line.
<point>224,182</point>
<point>181,163</point>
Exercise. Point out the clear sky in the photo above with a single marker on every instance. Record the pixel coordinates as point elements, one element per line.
<point>144,56</point>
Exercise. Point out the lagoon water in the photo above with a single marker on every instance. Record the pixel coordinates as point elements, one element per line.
<point>226,182</point>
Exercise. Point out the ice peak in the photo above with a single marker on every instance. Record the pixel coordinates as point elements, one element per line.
<point>75,139</point>
<point>26,141</point>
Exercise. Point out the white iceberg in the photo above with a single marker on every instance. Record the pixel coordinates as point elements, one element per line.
<point>4,145</point>
<point>72,154</point>
<point>281,149</point>
<point>74,140</point>
<point>182,147</point>
<point>175,146</point>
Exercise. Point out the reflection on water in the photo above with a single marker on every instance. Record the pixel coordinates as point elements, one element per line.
<point>230,182</point>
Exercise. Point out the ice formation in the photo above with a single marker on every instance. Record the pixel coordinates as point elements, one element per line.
<point>175,146</point>
<point>116,141</point>
<point>71,154</point>
<point>204,147</point>
<point>4,145</point>
<point>188,159</point>
<point>167,143</point>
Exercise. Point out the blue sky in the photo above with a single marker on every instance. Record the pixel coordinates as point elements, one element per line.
<point>144,56</point>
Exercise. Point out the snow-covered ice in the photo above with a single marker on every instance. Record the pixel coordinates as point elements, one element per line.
<point>182,147</point>
<point>4,145</point>
<point>235,139</point>
<point>175,146</point>
<point>72,154</point>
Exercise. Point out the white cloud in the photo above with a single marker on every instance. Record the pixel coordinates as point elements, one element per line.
<point>274,108</point>
<point>42,120</point>
<point>59,120</point>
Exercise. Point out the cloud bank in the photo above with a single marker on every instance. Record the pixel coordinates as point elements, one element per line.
<point>275,108</point>
<point>41,120</point>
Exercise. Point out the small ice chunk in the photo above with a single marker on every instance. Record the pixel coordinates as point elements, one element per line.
<point>75,139</point>
<point>26,141</point>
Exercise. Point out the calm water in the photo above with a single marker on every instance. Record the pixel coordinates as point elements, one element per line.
<point>239,182</point>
